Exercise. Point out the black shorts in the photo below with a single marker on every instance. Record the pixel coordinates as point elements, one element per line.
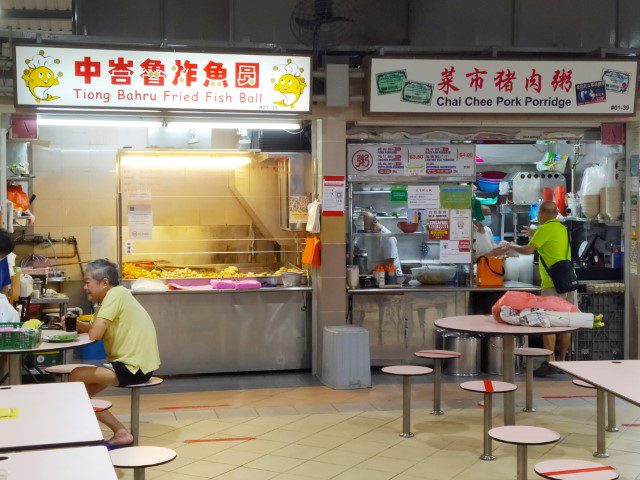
<point>126,378</point>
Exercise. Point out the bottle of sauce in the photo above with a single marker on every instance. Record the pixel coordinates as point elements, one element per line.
<point>390,275</point>
<point>379,275</point>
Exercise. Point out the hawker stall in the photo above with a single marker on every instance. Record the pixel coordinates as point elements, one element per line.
<point>210,243</point>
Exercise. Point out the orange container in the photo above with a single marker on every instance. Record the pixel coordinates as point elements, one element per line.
<point>490,271</point>
<point>560,199</point>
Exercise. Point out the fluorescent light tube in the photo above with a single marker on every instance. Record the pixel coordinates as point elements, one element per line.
<point>96,122</point>
<point>237,125</point>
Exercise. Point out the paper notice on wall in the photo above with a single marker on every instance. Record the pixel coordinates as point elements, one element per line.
<point>417,216</point>
<point>633,257</point>
<point>455,196</point>
<point>439,229</point>
<point>422,197</point>
<point>333,190</point>
<point>139,216</point>
<point>416,162</point>
<point>460,225</point>
<point>455,251</point>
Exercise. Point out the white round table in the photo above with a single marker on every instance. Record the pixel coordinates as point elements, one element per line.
<point>15,356</point>
<point>486,324</point>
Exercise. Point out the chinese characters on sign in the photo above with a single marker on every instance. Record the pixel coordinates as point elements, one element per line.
<point>456,160</point>
<point>501,86</point>
<point>75,77</point>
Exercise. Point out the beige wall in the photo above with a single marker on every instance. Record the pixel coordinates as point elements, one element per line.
<point>75,186</point>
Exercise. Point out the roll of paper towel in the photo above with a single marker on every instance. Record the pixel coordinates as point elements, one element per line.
<point>525,264</point>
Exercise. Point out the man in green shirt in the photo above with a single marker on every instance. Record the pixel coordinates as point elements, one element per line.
<point>551,241</point>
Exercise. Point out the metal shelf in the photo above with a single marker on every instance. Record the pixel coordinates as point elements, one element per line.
<point>370,192</point>
<point>21,178</point>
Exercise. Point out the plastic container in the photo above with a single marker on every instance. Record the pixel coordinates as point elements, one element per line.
<point>489,186</point>
<point>93,351</point>
<point>292,279</point>
<point>468,365</point>
<point>346,363</point>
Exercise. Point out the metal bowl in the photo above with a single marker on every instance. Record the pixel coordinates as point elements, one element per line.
<point>434,274</point>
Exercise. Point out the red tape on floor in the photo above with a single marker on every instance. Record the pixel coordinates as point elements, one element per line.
<point>207,440</point>
<point>194,407</point>
<point>577,470</point>
<point>631,424</point>
<point>488,386</point>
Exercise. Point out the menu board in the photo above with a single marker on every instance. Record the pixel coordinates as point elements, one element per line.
<point>428,160</point>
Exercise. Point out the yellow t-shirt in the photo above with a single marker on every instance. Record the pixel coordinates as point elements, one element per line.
<point>551,240</point>
<point>130,337</point>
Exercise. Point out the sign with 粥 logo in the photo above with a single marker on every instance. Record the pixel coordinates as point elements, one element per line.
<point>60,77</point>
<point>411,85</point>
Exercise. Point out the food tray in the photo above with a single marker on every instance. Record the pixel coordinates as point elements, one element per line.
<point>18,338</point>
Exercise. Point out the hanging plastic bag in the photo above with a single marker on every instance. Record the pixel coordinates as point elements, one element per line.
<point>313,216</point>
<point>552,162</point>
<point>18,197</point>
<point>311,252</point>
<point>8,314</point>
<point>593,180</point>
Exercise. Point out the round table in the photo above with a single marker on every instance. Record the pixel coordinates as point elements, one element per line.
<point>486,324</point>
<point>15,356</point>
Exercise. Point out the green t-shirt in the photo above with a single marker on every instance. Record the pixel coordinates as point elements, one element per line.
<point>551,240</point>
<point>131,336</point>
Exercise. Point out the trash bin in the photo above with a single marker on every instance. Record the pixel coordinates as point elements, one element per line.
<point>468,345</point>
<point>346,361</point>
<point>493,355</point>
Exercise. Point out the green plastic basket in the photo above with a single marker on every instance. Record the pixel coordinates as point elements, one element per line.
<point>19,338</point>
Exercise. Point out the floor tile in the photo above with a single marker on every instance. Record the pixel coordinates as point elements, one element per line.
<point>275,463</point>
<point>318,470</point>
<point>243,473</point>
<point>206,469</point>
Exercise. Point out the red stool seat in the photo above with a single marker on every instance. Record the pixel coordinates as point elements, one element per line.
<point>488,386</point>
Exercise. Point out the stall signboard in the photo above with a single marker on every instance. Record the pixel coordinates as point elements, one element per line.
<point>429,160</point>
<point>410,85</point>
<point>59,77</point>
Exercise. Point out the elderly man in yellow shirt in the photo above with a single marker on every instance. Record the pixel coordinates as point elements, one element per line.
<point>129,340</point>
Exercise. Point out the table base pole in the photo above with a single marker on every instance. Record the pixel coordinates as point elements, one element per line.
<point>15,369</point>
<point>601,449</point>
<point>437,387</point>
<point>611,413</point>
<point>508,375</point>
<point>487,454</point>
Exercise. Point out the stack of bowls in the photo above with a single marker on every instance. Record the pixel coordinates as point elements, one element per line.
<point>489,182</point>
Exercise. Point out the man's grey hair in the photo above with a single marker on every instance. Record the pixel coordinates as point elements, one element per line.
<point>103,268</point>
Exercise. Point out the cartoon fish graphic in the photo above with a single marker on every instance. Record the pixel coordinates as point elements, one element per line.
<point>39,78</point>
<point>290,85</point>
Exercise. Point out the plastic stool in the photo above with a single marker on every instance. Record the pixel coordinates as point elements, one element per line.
<point>100,405</point>
<point>564,469</point>
<point>140,458</point>
<point>65,369</point>
<point>135,405</point>
<point>488,388</point>
<point>437,356</point>
<point>530,353</point>
<point>523,436</point>
<point>406,372</point>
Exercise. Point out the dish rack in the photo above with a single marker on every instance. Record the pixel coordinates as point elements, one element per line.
<point>13,337</point>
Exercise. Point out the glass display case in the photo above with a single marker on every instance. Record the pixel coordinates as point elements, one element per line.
<point>210,213</point>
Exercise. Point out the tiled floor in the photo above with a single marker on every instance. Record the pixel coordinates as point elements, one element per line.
<point>313,432</point>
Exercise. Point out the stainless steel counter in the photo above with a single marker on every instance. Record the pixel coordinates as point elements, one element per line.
<point>400,320</point>
<point>231,331</point>
<point>445,288</point>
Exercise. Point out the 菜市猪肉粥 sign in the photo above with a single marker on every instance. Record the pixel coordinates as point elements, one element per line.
<point>48,76</point>
<point>404,85</point>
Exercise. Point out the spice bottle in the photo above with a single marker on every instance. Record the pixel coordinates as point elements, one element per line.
<point>379,275</point>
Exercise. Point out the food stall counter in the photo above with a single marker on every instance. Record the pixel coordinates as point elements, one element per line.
<point>507,286</point>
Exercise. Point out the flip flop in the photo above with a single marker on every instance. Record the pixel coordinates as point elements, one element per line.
<point>114,447</point>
